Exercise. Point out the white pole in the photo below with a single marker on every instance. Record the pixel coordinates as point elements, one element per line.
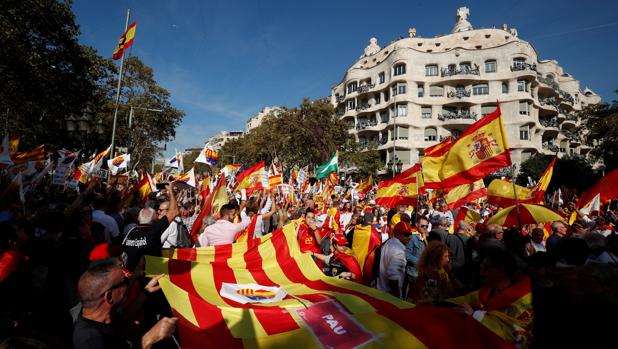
<point>113,148</point>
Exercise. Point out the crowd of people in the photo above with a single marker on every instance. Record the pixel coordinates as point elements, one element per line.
<point>72,266</point>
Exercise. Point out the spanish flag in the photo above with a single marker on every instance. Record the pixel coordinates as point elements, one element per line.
<point>480,150</point>
<point>500,193</point>
<point>462,194</point>
<point>401,189</point>
<point>541,187</point>
<point>438,149</point>
<point>365,240</point>
<point>468,215</point>
<point>211,205</point>
<point>365,186</point>
<point>125,41</point>
<point>316,311</point>
<point>250,178</point>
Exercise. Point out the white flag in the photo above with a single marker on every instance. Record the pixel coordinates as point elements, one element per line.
<point>208,155</point>
<point>118,163</point>
<point>593,206</point>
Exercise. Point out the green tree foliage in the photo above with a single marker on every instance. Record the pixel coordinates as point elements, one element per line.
<point>45,74</point>
<point>573,172</point>
<point>304,135</point>
<point>601,123</point>
<point>362,163</point>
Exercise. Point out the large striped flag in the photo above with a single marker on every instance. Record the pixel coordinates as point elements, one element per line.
<point>220,295</point>
<point>479,151</point>
<point>401,189</point>
<point>251,178</point>
<point>125,41</point>
<point>462,194</point>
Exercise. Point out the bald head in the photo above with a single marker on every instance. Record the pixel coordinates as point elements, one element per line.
<point>99,277</point>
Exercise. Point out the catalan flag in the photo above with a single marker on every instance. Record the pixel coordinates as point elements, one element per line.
<point>125,41</point>
<point>480,150</point>
<point>250,178</point>
<point>401,189</point>
<point>359,315</point>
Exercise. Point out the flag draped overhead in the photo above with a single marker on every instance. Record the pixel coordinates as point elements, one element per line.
<point>220,295</point>
<point>331,166</point>
<point>401,189</point>
<point>125,41</point>
<point>480,150</point>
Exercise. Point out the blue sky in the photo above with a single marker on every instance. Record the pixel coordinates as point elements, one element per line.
<point>224,60</point>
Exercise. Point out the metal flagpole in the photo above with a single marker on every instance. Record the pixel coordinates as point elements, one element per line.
<point>113,149</point>
<point>515,195</point>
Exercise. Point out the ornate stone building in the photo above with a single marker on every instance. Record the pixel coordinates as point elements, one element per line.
<point>415,91</point>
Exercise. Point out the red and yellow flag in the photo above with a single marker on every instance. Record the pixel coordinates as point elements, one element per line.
<point>14,143</point>
<point>125,41</point>
<point>211,205</point>
<point>468,215</point>
<point>401,189</point>
<point>480,150</point>
<point>366,240</point>
<point>541,186</point>
<point>365,186</point>
<point>250,178</point>
<point>207,290</point>
<point>462,194</point>
<point>440,148</point>
<point>36,154</point>
<point>500,193</point>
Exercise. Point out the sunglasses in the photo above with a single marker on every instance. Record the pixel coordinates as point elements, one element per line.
<point>162,209</point>
<point>423,226</point>
<point>125,282</point>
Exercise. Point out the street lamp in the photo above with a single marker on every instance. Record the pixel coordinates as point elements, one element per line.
<point>395,164</point>
<point>141,108</point>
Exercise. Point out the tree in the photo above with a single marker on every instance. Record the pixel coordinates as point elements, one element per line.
<point>573,172</point>
<point>362,162</point>
<point>600,122</point>
<point>45,74</point>
<point>306,135</point>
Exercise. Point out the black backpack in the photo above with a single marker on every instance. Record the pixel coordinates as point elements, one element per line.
<point>183,237</point>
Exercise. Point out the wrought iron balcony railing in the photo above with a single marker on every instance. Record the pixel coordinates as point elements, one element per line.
<point>365,88</point>
<point>340,99</point>
<point>459,94</point>
<point>551,101</point>
<point>362,107</point>
<point>549,81</point>
<point>548,123</point>
<point>465,70</point>
<point>462,114</point>
<point>523,66</point>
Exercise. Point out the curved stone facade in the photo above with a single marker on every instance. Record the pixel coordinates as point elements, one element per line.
<point>430,88</point>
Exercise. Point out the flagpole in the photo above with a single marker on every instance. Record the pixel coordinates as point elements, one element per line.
<point>113,148</point>
<point>516,201</point>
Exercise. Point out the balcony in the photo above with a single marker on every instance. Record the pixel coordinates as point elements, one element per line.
<point>549,123</point>
<point>340,112</point>
<point>365,88</point>
<point>571,136</point>
<point>550,146</point>
<point>521,66</point>
<point>460,114</point>
<point>465,70</point>
<point>364,124</point>
<point>550,101</point>
<point>566,97</point>
<point>362,107</point>
<point>339,99</point>
<point>549,82</point>
<point>459,94</point>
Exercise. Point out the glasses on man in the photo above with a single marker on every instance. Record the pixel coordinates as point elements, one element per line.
<point>425,226</point>
<point>162,209</point>
<point>125,282</point>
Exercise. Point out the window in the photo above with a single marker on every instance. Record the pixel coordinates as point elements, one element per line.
<point>377,98</point>
<point>421,90</point>
<point>426,112</point>
<point>491,66</point>
<point>519,63</point>
<point>384,117</point>
<point>400,69</point>
<point>381,77</point>
<point>487,109</point>
<point>431,70</point>
<point>402,132</point>
<point>387,95</point>
<point>505,87</point>
<point>353,86</point>
<point>524,108</point>
<point>431,134</point>
<point>522,86</point>
<point>480,89</point>
<point>351,104</point>
<point>401,89</point>
<point>436,91</point>
<point>524,133</point>
<point>402,109</point>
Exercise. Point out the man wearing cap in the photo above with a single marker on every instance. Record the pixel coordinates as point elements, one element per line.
<point>393,260</point>
<point>339,262</point>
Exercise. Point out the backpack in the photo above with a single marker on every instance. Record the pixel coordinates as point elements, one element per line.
<point>183,236</point>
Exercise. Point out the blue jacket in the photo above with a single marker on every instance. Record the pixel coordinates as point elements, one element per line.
<point>414,250</point>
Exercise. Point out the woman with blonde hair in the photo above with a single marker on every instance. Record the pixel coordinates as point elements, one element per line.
<point>434,283</point>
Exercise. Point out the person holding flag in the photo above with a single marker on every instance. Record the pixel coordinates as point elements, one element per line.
<point>340,263</point>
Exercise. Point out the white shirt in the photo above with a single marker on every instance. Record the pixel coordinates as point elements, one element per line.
<point>109,223</point>
<point>169,238</point>
<point>392,264</point>
<point>223,232</point>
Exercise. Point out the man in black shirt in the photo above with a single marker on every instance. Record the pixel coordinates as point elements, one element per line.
<point>102,289</point>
